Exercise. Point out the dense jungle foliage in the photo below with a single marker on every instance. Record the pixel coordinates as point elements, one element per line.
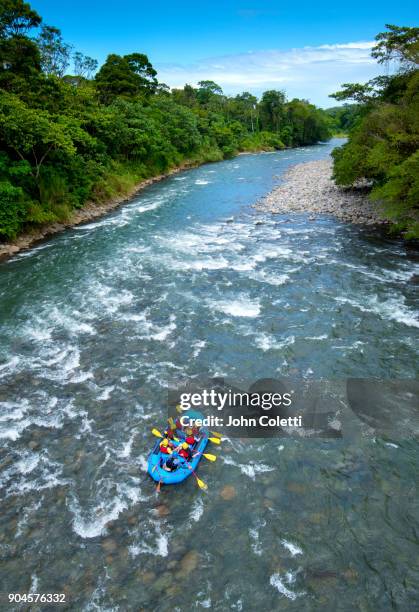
<point>66,138</point>
<point>383,144</point>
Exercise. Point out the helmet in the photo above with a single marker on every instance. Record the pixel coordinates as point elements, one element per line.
<point>185,445</point>
<point>164,442</point>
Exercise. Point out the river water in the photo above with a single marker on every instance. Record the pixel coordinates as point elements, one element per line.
<point>181,282</point>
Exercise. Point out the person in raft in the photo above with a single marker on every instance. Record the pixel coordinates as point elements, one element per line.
<point>166,447</point>
<point>190,440</point>
<point>185,451</point>
<point>172,464</point>
<point>169,433</point>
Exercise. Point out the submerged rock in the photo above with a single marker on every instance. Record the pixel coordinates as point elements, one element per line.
<point>110,545</point>
<point>161,510</point>
<point>163,582</point>
<point>146,577</point>
<point>228,492</point>
<point>189,562</point>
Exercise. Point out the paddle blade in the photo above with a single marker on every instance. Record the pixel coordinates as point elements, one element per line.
<point>201,484</point>
<point>214,440</point>
<point>158,487</point>
<point>210,457</point>
<point>156,433</point>
<point>216,434</point>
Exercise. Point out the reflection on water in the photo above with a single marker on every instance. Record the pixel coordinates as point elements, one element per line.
<point>178,284</point>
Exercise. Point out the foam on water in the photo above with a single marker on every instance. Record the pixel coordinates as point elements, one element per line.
<point>197,510</point>
<point>5,368</point>
<point>249,469</point>
<point>106,393</point>
<point>91,522</point>
<point>280,584</point>
<point>293,548</point>
<point>241,306</point>
<point>155,541</point>
<point>392,308</point>
<point>269,343</point>
<point>254,537</point>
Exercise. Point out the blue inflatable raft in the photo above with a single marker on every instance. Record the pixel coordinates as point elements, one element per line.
<point>156,459</point>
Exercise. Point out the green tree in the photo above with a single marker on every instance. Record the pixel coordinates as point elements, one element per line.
<point>272,110</point>
<point>17,18</point>
<point>84,66</point>
<point>127,76</point>
<point>383,146</point>
<point>32,134</point>
<point>55,53</point>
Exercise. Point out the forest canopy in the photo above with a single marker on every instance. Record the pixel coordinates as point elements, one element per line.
<point>383,142</point>
<point>70,132</point>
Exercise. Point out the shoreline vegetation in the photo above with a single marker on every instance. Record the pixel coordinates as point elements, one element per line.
<point>382,146</point>
<point>309,188</point>
<point>73,133</point>
<point>89,212</point>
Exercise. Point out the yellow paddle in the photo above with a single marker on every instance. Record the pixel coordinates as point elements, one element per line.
<point>201,483</point>
<point>207,456</point>
<point>156,433</point>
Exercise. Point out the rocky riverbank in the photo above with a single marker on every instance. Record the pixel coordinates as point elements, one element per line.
<point>309,188</point>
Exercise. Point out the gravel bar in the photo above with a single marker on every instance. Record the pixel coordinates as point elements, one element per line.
<point>309,188</point>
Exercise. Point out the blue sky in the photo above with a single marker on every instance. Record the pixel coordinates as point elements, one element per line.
<point>306,48</point>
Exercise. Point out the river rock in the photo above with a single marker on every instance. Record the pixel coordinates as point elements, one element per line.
<point>189,562</point>
<point>174,589</point>
<point>228,492</point>
<point>351,574</point>
<point>161,510</point>
<point>309,188</point>
<point>147,577</point>
<point>296,487</point>
<point>109,545</point>
<point>163,582</point>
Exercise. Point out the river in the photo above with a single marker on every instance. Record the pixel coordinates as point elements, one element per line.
<point>182,282</point>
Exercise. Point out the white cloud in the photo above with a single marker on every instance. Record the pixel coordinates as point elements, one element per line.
<point>308,72</point>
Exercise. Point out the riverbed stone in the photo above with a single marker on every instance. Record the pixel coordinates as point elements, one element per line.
<point>189,562</point>
<point>228,492</point>
<point>163,582</point>
<point>309,188</point>
<point>110,545</point>
<point>161,510</point>
<point>147,577</point>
